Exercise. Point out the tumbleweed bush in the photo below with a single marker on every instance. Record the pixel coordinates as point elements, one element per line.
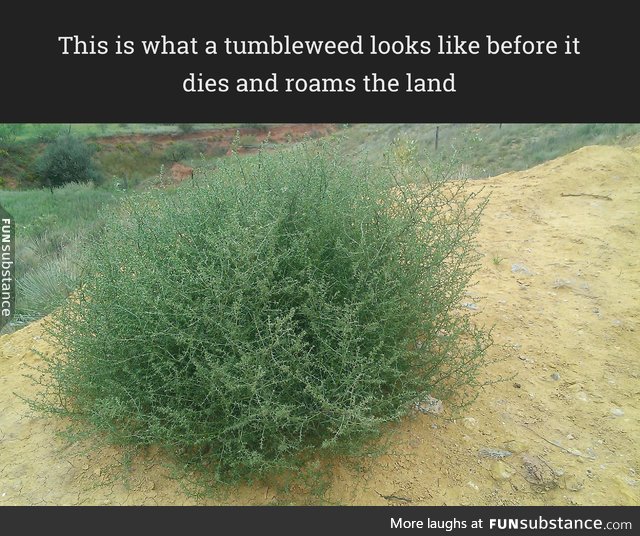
<point>290,303</point>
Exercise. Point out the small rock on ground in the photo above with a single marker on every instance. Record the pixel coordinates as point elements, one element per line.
<point>430,405</point>
<point>494,453</point>
<point>519,268</point>
<point>501,471</point>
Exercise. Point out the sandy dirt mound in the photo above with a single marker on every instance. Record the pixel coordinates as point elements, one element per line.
<point>560,281</point>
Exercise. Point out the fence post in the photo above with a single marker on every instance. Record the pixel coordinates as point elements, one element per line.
<point>437,132</point>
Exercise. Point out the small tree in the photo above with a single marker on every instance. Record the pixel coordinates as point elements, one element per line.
<point>67,159</point>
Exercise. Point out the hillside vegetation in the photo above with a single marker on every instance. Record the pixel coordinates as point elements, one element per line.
<point>485,150</point>
<point>143,156</point>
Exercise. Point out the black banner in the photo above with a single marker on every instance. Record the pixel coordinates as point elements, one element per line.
<point>336,520</point>
<point>497,62</point>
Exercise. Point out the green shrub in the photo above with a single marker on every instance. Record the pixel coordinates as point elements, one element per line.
<point>46,133</point>
<point>290,305</point>
<point>186,128</point>
<point>46,285</point>
<point>217,151</point>
<point>180,150</point>
<point>256,127</point>
<point>67,159</point>
<point>247,140</point>
<point>9,132</point>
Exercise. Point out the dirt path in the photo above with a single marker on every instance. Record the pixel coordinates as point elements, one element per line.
<point>561,282</point>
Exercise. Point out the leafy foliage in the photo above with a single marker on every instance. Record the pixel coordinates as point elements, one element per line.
<point>67,159</point>
<point>290,305</point>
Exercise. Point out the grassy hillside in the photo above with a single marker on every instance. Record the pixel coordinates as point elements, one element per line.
<point>47,131</point>
<point>125,153</point>
<point>50,229</point>
<point>52,226</point>
<point>485,150</point>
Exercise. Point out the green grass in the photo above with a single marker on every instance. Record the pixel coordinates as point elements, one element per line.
<point>50,229</point>
<point>497,259</point>
<point>485,150</point>
<point>46,131</point>
<point>129,162</point>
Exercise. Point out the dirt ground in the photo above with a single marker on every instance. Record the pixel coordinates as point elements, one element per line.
<point>560,281</point>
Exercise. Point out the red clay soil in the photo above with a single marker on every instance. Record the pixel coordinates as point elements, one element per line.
<point>221,140</point>
<point>218,142</point>
<point>277,133</point>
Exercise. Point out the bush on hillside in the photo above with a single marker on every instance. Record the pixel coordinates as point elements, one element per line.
<point>290,305</point>
<point>186,128</point>
<point>67,159</point>
<point>8,134</point>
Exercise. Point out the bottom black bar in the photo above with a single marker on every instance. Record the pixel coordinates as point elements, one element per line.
<point>331,520</point>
